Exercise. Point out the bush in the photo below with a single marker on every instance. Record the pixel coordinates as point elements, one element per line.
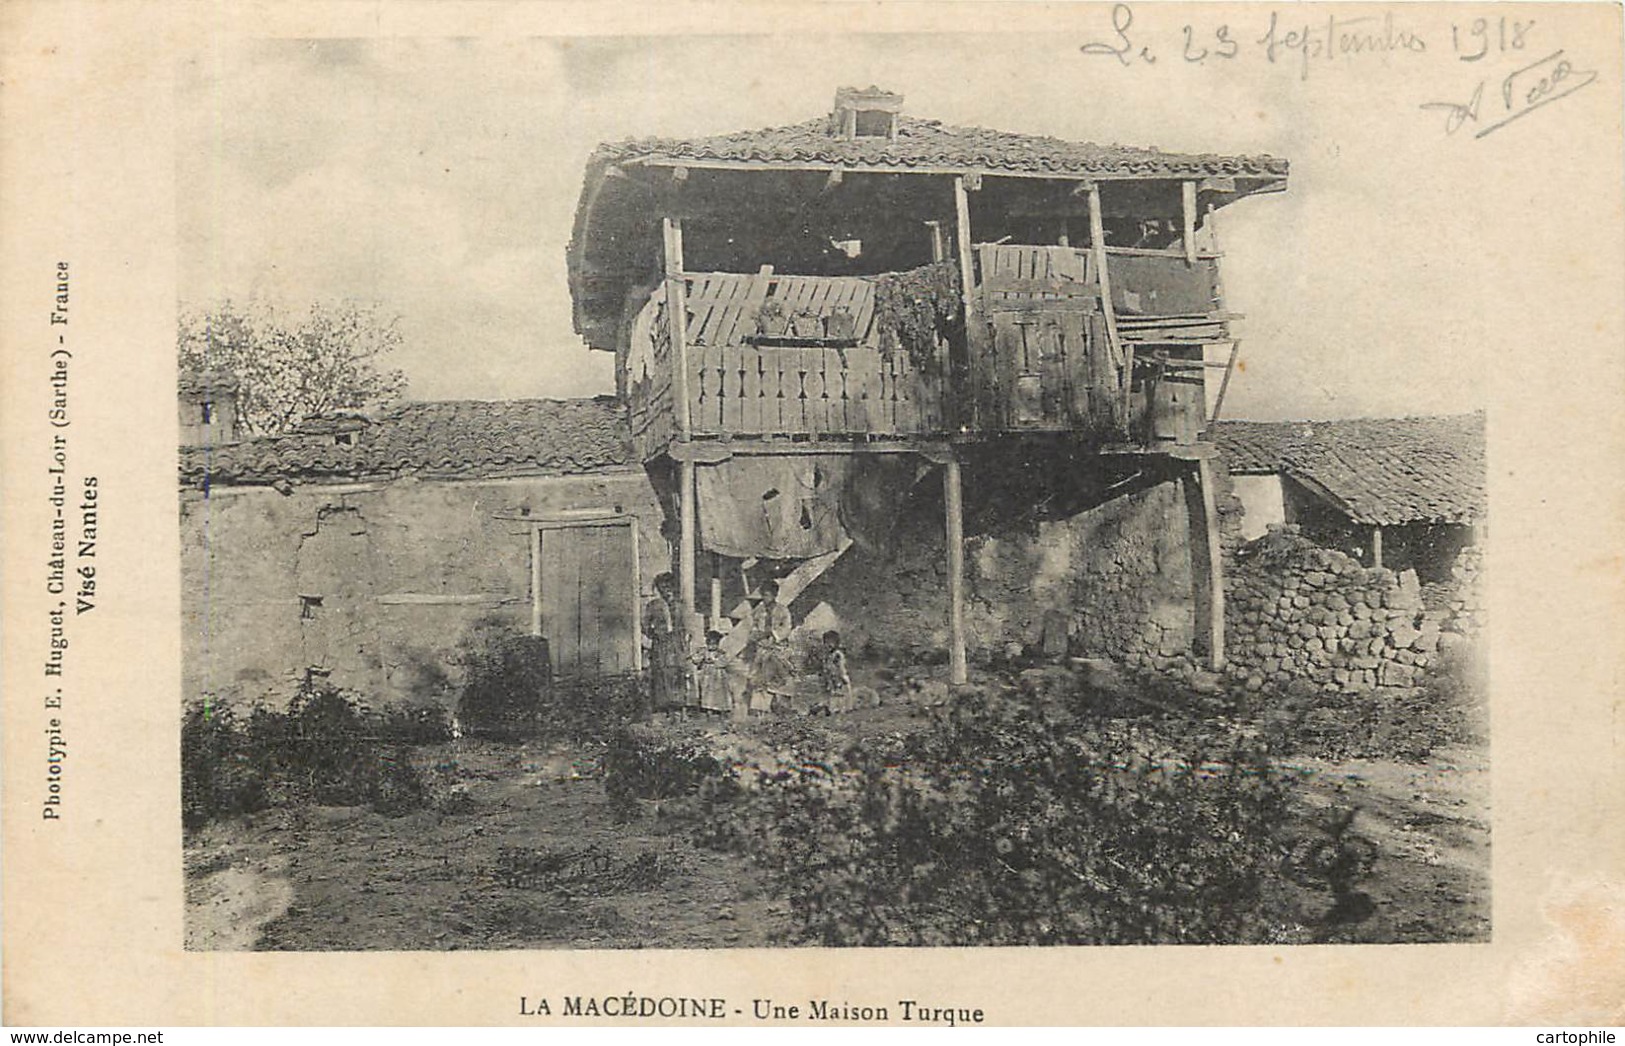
<point>510,693</point>
<point>324,749</point>
<point>1004,826</point>
<point>217,777</point>
<point>508,678</point>
<point>640,763</point>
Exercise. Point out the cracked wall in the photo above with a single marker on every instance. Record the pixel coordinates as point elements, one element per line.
<point>373,583</point>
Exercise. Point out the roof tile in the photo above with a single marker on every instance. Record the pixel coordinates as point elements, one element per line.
<point>1382,471</point>
<point>468,437</point>
<point>929,143</point>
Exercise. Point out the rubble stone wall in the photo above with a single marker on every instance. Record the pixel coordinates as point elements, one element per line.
<point>1295,611</point>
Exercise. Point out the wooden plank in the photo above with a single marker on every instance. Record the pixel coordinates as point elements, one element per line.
<point>687,547</point>
<point>1215,569</point>
<point>733,388</point>
<point>1009,286</point>
<point>677,315</point>
<point>725,315</point>
<point>860,368</point>
<point>775,406</point>
<point>1187,210</point>
<point>907,404</point>
<point>954,524</point>
<point>1074,344</point>
<point>963,232</point>
<point>1052,367</point>
<point>535,582</point>
<point>835,375</point>
<point>815,408</point>
<point>750,415</point>
<point>1097,242</point>
<point>863,314</point>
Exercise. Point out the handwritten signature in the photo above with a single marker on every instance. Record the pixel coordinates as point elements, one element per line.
<point>1523,91</point>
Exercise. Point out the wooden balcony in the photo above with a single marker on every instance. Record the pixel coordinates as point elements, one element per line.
<point>804,357</point>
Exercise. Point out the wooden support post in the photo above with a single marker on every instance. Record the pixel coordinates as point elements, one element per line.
<point>535,581</point>
<point>1187,207</point>
<point>939,249</point>
<point>1097,243</point>
<point>1376,546</point>
<point>685,545</point>
<point>1224,385</point>
<point>962,232</point>
<point>637,599</point>
<point>953,500</point>
<point>716,596</point>
<point>677,319</point>
<point>1214,581</point>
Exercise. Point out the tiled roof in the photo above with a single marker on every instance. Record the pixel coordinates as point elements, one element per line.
<point>1381,471</point>
<point>458,437</point>
<point>928,143</point>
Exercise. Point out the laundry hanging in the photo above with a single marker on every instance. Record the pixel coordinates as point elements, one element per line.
<point>782,507</point>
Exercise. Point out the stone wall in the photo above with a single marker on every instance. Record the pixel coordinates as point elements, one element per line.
<point>376,582</point>
<point>1115,576</point>
<point>1296,611</point>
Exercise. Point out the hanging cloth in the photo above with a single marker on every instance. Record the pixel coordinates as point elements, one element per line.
<point>785,507</point>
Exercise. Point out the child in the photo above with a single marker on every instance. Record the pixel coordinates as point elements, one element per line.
<point>712,674</point>
<point>837,681</point>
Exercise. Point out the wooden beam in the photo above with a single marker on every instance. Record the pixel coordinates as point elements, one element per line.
<point>637,603</point>
<point>1224,385</point>
<point>685,546</point>
<point>939,249</point>
<point>677,318</point>
<point>962,233</point>
<point>706,451</point>
<point>1187,211</point>
<point>536,581</point>
<point>954,505</point>
<point>1376,546</point>
<point>1215,567</point>
<point>1097,243</point>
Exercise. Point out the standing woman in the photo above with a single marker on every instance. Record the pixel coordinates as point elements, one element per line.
<point>769,649</point>
<point>668,677</point>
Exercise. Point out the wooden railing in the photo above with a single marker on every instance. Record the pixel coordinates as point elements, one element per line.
<point>859,391</point>
<point>1040,357</point>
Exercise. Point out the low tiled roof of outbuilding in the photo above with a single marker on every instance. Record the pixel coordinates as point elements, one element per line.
<point>932,144</point>
<point>462,438</point>
<point>1378,471</point>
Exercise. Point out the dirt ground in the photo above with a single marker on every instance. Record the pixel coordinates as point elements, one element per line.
<point>521,849</point>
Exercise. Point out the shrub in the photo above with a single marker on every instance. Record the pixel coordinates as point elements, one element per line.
<point>324,749</point>
<point>510,693</point>
<point>1004,826</point>
<point>508,678</point>
<point>217,777</point>
<point>640,763</point>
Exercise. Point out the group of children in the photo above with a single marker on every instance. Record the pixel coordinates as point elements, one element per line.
<point>760,679</point>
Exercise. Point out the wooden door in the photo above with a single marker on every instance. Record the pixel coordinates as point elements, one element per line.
<point>589,597</point>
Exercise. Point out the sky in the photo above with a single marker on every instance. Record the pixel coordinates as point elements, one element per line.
<point>438,179</point>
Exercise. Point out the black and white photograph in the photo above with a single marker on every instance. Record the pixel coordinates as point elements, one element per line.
<point>784,514</point>
<point>859,529</point>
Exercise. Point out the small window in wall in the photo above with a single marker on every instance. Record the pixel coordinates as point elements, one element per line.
<point>344,439</point>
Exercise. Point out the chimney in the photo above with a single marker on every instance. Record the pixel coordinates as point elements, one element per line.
<point>865,113</point>
<point>208,408</point>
